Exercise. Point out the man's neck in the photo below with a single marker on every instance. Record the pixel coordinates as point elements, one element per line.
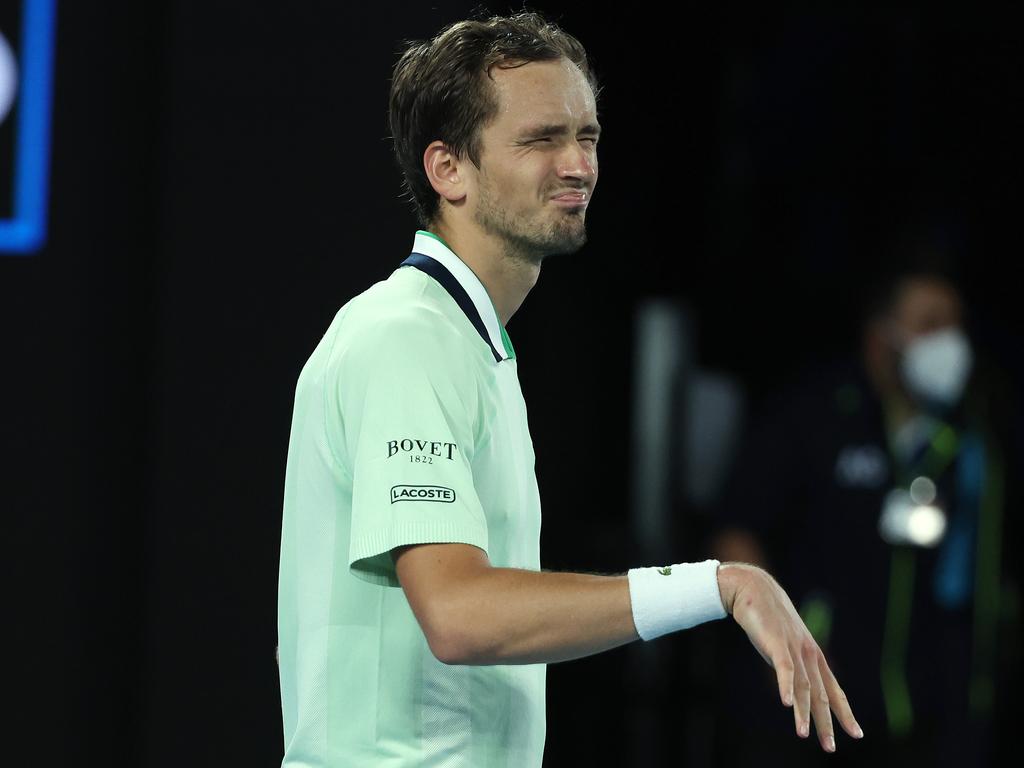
<point>506,276</point>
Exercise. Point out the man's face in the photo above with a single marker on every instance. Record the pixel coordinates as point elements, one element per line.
<point>924,305</point>
<point>541,146</point>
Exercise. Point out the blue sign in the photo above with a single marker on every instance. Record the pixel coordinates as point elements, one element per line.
<point>26,78</point>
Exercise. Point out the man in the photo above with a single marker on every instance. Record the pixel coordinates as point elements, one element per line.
<point>895,464</point>
<point>415,622</point>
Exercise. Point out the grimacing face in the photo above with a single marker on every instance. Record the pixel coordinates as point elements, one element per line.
<point>538,166</point>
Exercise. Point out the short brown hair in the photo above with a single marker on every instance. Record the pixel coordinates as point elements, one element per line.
<point>439,92</point>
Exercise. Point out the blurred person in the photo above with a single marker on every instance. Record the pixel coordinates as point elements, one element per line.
<point>414,620</point>
<point>878,492</point>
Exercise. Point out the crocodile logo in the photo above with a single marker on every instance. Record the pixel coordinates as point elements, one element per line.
<point>665,571</point>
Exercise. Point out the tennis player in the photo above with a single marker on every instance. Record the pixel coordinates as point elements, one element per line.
<point>415,622</point>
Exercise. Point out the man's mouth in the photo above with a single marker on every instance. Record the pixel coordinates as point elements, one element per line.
<point>571,198</point>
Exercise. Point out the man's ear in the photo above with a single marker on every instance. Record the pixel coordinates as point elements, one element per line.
<point>445,171</point>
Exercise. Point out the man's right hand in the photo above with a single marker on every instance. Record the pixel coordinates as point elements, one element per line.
<point>759,605</point>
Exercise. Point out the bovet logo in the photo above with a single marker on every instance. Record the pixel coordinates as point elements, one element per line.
<point>422,493</point>
<point>431,447</point>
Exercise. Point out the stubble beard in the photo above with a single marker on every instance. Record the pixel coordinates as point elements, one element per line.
<point>531,241</point>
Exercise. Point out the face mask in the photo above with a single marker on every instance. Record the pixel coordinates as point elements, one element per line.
<point>936,366</point>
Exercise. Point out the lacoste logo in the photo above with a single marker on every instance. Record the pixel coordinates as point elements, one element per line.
<point>667,570</point>
<point>422,493</point>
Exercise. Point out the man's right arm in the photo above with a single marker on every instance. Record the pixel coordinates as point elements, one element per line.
<point>473,613</point>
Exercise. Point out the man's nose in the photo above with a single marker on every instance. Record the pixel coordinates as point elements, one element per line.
<point>578,160</point>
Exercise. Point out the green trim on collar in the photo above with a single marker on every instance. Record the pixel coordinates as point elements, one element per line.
<point>507,342</point>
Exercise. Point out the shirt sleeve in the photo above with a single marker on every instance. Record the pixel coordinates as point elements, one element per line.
<point>408,400</point>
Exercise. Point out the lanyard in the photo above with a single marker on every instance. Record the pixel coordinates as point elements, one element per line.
<point>939,452</point>
<point>976,519</point>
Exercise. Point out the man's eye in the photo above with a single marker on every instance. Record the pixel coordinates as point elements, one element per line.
<point>546,138</point>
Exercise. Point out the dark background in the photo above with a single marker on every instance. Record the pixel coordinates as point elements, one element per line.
<point>221,184</point>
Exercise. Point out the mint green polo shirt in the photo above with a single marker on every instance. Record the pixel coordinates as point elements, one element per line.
<point>409,426</point>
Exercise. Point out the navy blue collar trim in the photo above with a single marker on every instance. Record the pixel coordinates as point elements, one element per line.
<point>437,270</point>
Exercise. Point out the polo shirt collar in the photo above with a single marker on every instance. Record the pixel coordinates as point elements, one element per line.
<point>432,255</point>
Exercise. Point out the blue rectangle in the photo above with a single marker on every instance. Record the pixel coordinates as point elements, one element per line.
<point>25,232</point>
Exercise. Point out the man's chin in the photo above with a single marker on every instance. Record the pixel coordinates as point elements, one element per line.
<point>560,240</point>
<point>569,241</point>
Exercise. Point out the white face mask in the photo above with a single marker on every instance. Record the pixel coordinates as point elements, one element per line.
<point>936,366</point>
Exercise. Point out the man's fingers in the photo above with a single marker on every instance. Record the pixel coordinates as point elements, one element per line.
<point>801,696</point>
<point>805,681</point>
<point>838,701</point>
<point>784,670</point>
<point>819,698</point>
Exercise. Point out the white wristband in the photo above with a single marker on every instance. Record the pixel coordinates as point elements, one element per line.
<point>675,597</point>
